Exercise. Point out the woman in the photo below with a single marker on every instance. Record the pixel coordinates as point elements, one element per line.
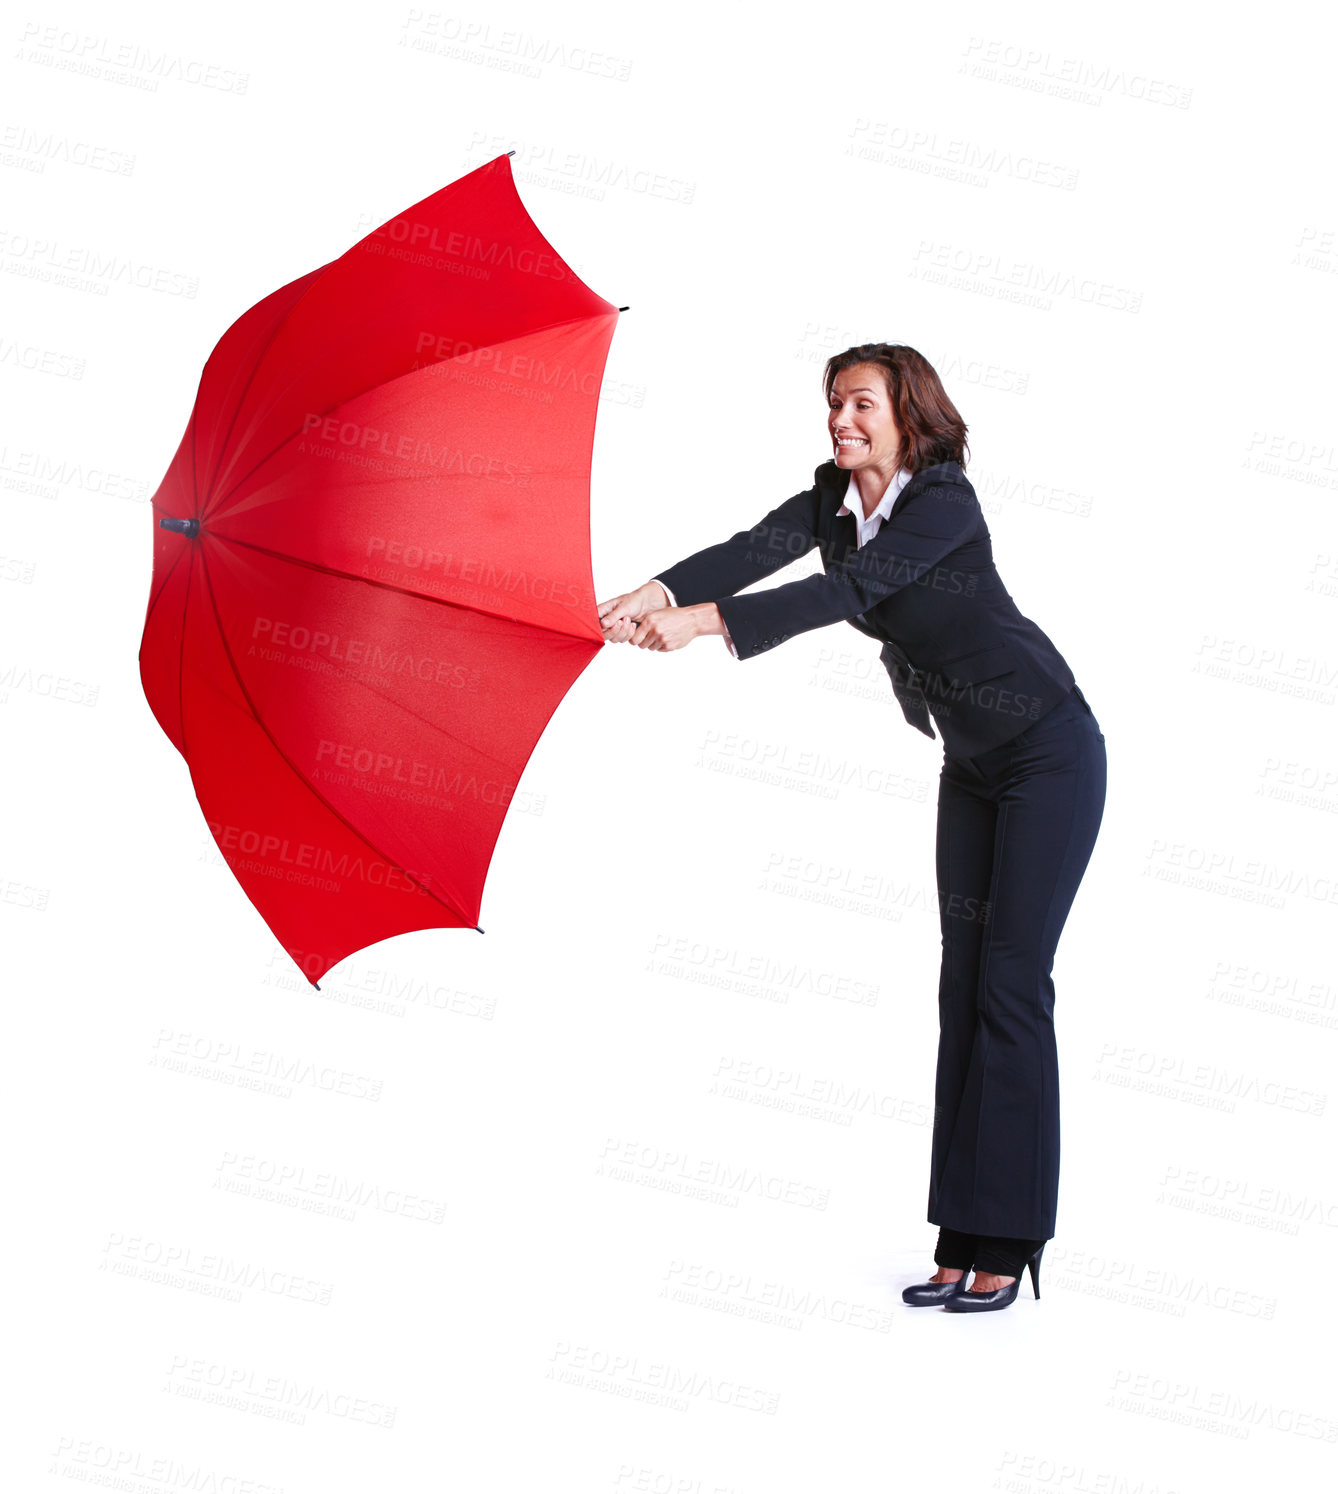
<point>906,557</point>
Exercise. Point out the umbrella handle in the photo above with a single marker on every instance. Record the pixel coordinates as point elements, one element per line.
<point>189,527</point>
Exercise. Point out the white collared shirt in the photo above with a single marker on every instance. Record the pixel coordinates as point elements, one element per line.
<point>865,529</point>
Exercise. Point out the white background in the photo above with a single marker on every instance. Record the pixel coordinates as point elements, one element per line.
<point>711,946</point>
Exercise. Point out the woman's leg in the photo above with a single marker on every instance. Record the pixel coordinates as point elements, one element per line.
<point>954,1250</point>
<point>997,1172</point>
<point>999,1256</point>
<point>964,863</point>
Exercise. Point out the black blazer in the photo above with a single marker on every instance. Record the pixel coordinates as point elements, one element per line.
<point>954,643</point>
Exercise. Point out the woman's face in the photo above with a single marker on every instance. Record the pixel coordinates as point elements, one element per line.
<point>860,422</point>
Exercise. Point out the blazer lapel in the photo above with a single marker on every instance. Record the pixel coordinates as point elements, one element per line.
<point>841,528</point>
<point>836,484</point>
<point>845,535</point>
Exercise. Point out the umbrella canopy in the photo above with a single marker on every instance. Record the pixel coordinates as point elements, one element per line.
<point>371,575</point>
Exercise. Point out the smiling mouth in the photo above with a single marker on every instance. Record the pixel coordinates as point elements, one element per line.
<point>848,442</point>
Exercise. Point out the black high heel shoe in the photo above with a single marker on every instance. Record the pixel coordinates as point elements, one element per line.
<point>1000,1296</point>
<point>934,1293</point>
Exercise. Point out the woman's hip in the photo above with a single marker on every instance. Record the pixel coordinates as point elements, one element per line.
<point>1066,739</point>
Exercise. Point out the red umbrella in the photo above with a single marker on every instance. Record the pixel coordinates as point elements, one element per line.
<point>371,573</point>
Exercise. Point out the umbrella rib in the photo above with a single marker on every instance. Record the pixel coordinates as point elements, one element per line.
<point>525,332</point>
<point>418,596</point>
<point>381,695</point>
<point>469,747</point>
<point>353,829</point>
<point>316,275</point>
<point>181,662</point>
<point>153,600</point>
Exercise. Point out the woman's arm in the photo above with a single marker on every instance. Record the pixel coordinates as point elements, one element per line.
<point>934,523</point>
<point>778,538</point>
<point>690,587</point>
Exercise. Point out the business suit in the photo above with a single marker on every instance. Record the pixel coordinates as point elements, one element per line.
<point>1020,798</point>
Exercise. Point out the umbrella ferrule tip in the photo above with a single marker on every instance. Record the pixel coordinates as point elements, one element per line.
<point>189,527</point>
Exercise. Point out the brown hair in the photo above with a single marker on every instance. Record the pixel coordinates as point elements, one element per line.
<point>931,429</point>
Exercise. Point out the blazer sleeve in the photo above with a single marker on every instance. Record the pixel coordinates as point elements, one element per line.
<point>777,539</point>
<point>906,548</point>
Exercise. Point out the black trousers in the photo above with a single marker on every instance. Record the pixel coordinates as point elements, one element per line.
<point>995,1253</point>
<point>1016,827</point>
